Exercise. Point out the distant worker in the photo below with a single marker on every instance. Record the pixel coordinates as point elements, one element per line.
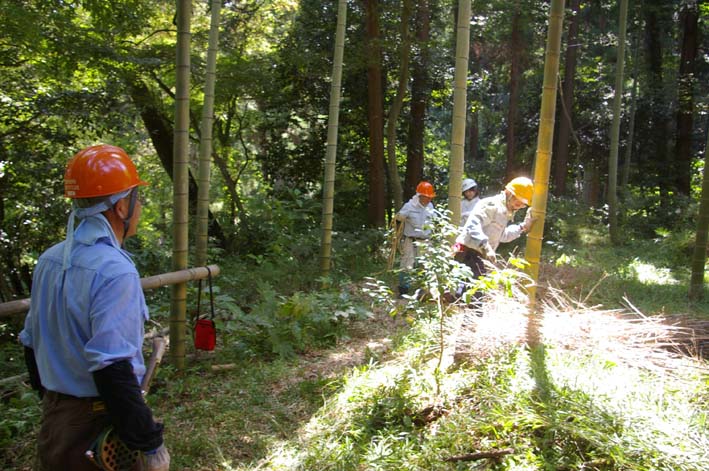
<point>83,335</point>
<point>489,224</point>
<point>416,216</point>
<point>471,197</point>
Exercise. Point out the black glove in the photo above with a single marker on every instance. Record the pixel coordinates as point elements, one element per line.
<point>130,415</point>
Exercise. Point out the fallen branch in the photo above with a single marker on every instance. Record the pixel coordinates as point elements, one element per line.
<point>480,455</point>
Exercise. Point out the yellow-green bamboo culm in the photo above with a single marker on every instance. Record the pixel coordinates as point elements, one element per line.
<point>544,144</point>
<point>178,303</point>
<point>331,152</point>
<point>455,164</point>
<point>205,142</point>
<point>699,255</point>
<point>615,127</point>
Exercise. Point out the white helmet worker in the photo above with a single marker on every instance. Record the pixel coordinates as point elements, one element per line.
<point>469,184</point>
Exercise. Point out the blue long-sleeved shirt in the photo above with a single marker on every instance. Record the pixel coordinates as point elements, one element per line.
<point>87,317</point>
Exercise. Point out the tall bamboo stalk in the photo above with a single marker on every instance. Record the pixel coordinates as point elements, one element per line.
<point>545,139</point>
<point>331,153</point>
<point>205,145</point>
<point>178,305</point>
<point>699,256</point>
<point>462,48</point>
<point>615,127</point>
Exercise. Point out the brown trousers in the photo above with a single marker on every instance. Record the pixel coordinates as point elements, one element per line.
<point>69,427</point>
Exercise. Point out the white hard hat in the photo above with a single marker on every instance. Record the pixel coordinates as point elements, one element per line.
<point>469,184</point>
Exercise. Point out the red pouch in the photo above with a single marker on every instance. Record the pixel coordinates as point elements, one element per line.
<point>205,330</point>
<point>205,334</point>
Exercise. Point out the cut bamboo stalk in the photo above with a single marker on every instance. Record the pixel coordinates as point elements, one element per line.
<point>21,306</point>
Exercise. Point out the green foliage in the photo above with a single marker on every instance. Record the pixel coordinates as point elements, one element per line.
<point>19,418</point>
<point>281,325</point>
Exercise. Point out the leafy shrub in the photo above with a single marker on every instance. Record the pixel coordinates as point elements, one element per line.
<point>285,325</point>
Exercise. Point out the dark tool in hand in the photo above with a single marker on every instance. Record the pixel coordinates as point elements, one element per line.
<point>108,451</point>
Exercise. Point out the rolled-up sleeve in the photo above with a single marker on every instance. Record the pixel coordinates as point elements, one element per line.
<point>116,318</point>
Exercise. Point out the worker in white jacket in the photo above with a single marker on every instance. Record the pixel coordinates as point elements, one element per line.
<point>471,197</point>
<point>416,215</point>
<point>489,225</point>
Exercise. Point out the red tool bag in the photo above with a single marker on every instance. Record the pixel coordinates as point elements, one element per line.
<point>205,331</point>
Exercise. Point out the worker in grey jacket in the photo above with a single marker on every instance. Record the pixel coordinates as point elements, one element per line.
<point>416,215</point>
<point>489,225</point>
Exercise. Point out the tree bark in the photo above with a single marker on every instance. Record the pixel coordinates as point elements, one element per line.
<point>159,129</point>
<point>685,111</point>
<point>517,51</point>
<point>658,139</point>
<point>561,156</point>
<point>375,114</point>
<point>420,90</point>
<point>396,105</point>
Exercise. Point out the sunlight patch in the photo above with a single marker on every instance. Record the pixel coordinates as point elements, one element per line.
<point>651,275</point>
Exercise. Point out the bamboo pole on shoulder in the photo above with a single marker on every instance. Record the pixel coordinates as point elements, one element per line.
<point>542,163</point>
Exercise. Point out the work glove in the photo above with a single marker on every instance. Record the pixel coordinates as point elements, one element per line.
<point>158,459</point>
<point>529,220</point>
<point>400,217</point>
<point>489,252</point>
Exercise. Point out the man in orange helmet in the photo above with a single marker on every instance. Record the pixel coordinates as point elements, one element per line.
<point>415,215</point>
<point>83,334</point>
<point>489,224</point>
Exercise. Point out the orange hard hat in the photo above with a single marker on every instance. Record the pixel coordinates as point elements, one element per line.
<point>522,188</point>
<point>100,170</point>
<point>425,189</point>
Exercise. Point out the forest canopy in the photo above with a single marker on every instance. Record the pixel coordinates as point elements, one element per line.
<point>77,73</point>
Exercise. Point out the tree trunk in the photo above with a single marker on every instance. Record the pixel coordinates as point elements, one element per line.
<point>178,306</point>
<point>615,127</point>
<point>625,173</point>
<point>396,105</point>
<point>517,51</point>
<point>460,95</point>
<point>205,148</point>
<point>161,135</point>
<point>331,153</point>
<point>685,112</point>
<point>658,139</point>
<point>375,116</point>
<point>420,90</point>
<point>561,156</point>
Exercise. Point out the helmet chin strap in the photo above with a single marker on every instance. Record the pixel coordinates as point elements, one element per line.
<point>131,210</point>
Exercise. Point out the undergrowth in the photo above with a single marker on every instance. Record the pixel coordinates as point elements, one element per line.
<point>273,409</point>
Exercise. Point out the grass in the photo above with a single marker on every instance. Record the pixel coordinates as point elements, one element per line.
<point>610,390</point>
